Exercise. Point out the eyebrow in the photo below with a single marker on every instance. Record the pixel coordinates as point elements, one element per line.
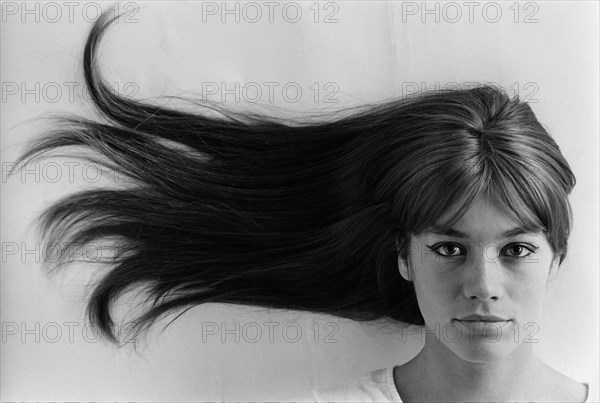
<point>439,230</point>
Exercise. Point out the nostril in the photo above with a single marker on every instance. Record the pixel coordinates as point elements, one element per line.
<point>480,297</point>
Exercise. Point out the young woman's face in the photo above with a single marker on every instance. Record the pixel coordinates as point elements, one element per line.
<point>480,286</point>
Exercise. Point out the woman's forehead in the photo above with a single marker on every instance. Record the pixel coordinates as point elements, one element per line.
<point>485,216</point>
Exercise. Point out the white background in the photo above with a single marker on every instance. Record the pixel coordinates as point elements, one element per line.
<point>373,51</point>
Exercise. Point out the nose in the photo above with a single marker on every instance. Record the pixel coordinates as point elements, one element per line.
<point>483,278</point>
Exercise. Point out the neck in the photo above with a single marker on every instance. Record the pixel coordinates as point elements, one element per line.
<point>440,375</point>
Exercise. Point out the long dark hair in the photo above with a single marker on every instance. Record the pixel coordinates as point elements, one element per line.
<point>249,209</point>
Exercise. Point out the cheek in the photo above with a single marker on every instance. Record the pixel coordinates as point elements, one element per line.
<point>529,279</point>
<point>435,293</point>
<point>528,291</point>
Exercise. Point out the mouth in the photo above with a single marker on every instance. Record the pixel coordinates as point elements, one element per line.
<point>482,324</point>
<point>473,319</point>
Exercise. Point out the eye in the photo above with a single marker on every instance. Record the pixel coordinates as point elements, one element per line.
<point>519,250</point>
<point>447,249</point>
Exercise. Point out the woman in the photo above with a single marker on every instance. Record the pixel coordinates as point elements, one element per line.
<point>447,210</point>
<point>480,291</point>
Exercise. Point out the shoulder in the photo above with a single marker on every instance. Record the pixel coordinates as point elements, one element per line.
<point>561,388</point>
<point>374,386</point>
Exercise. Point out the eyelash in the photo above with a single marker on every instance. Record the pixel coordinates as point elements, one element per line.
<point>435,248</point>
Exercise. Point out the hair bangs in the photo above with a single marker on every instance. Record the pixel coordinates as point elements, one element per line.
<point>455,188</point>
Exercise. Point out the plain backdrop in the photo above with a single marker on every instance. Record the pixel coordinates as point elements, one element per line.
<point>302,57</point>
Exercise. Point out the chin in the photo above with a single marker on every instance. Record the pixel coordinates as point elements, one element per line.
<point>478,348</point>
<point>483,352</point>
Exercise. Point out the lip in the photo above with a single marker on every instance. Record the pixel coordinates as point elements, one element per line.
<point>482,318</point>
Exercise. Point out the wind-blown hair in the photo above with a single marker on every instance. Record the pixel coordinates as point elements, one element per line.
<point>249,209</point>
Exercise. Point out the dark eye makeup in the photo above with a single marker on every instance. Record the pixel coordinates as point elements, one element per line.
<point>513,250</point>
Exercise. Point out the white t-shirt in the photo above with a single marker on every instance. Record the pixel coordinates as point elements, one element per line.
<point>374,386</point>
